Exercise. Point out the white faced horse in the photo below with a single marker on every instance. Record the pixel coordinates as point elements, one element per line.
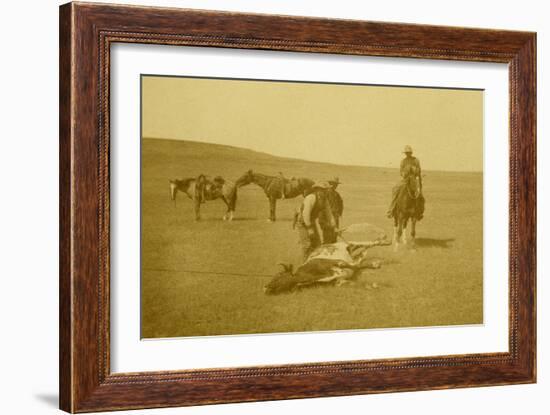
<point>218,188</point>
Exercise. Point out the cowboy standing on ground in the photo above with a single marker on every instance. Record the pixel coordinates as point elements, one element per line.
<point>409,165</point>
<point>336,205</point>
<point>336,201</point>
<point>314,206</point>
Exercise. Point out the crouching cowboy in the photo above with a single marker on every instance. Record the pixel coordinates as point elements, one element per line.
<point>315,208</point>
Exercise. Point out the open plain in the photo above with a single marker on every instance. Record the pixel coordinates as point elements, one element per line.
<point>207,277</point>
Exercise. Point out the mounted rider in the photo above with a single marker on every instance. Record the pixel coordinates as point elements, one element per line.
<point>315,210</point>
<point>409,165</point>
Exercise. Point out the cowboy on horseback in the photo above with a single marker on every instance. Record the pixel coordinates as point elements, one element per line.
<point>409,166</point>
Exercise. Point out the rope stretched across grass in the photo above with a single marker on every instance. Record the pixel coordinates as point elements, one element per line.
<point>330,263</point>
<point>192,271</point>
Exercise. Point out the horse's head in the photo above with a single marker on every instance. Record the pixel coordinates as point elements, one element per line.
<point>281,282</point>
<point>245,179</point>
<point>173,189</point>
<point>413,183</point>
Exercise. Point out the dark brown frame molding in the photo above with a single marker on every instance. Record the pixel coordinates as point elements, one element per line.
<point>86,33</point>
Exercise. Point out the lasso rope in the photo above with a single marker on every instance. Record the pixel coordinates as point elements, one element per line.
<point>234,274</point>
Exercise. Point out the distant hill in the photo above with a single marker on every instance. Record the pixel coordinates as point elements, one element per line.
<point>199,150</point>
<point>173,151</point>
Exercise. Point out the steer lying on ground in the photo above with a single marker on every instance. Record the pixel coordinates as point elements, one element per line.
<point>328,263</point>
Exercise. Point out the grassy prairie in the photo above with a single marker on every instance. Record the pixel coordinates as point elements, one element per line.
<point>184,293</point>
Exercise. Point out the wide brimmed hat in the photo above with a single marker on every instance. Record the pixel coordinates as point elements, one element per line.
<point>336,180</point>
<point>321,185</point>
<point>407,149</point>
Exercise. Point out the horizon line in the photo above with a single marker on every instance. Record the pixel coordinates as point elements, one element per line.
<point>301,159</point>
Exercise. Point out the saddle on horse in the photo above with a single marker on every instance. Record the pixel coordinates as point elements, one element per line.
<point>287,186</point>
<point>206,189</point>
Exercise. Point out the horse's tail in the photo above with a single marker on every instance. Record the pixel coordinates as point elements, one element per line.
<point>231,195</point>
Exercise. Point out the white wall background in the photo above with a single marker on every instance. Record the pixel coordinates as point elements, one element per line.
<point>29,193</point>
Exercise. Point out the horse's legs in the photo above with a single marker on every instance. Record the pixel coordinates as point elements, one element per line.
<point>228,214</point>
<point>232,203</point>
<point>404,234</point>
<point>413,231</point>
<point>227,210</point>
<point>197,205</point>
<point>397,231</point>
<point>272,208</point>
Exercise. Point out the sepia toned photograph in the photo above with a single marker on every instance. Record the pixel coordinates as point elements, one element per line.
<point>275,206</point>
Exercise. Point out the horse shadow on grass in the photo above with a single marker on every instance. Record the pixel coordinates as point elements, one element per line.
<point>239,219</point>
<point>434,243</point>
<point>218,219</point>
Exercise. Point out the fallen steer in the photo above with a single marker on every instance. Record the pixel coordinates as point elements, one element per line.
<point>330,263</point>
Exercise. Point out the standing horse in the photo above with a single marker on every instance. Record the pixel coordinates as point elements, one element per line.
<point>219,188</point>
<point>272,187</point>
<point>409,205</point>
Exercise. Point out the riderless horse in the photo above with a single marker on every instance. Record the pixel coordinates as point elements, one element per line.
<point>218,188</point>
<point>273,187</point>
<point>409,205</point>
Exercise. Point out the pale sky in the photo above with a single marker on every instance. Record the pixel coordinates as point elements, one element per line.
<point>342,124</point>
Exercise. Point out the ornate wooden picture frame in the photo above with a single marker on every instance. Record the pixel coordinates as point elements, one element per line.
<point>87,32</point>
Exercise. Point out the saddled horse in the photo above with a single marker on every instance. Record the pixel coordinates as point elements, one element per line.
<point>218,188</point>
<point>272,187</point>
<point>409,206</point>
